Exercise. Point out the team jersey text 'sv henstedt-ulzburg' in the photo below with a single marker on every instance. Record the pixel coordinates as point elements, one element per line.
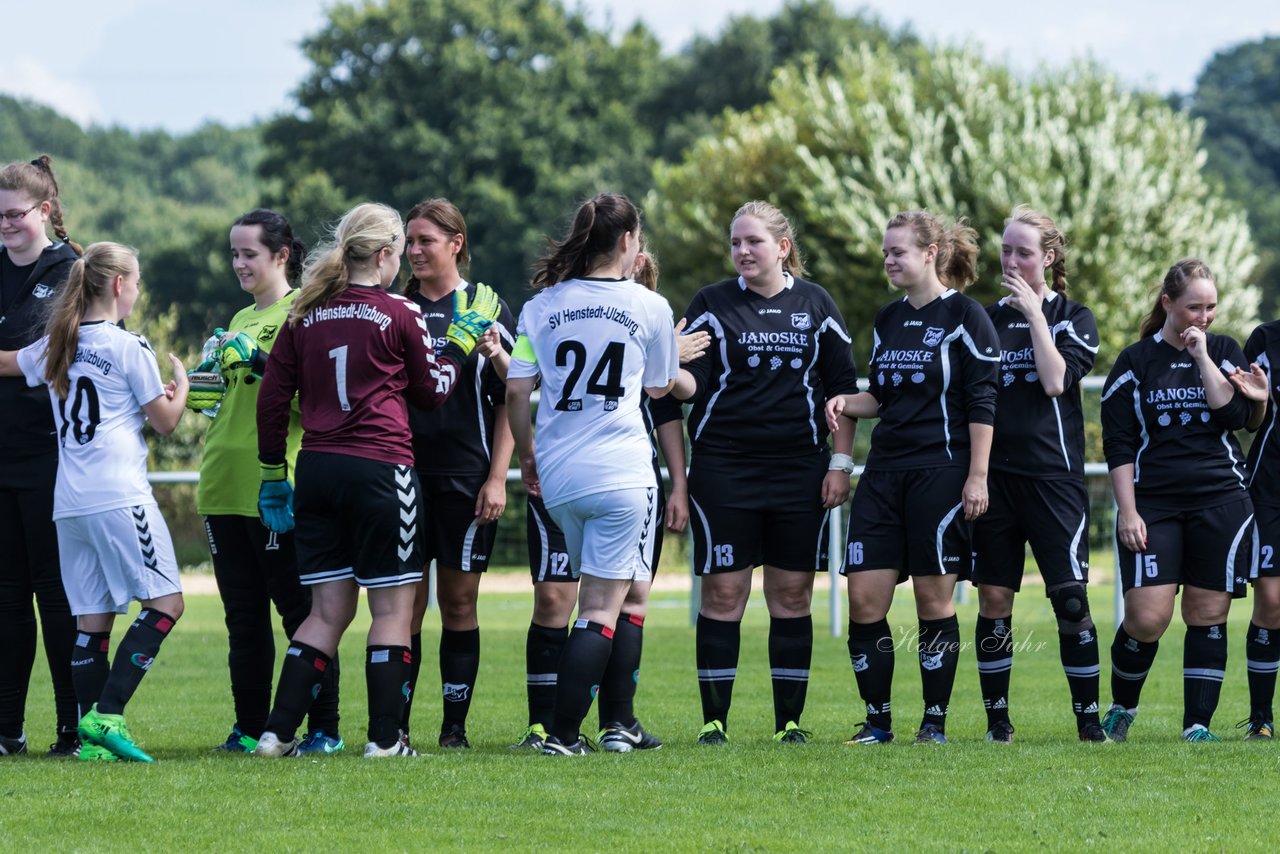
<point>457,438</point>
<point>353,360</point>
<point>933,371</point>
<point>102,457</point>
<point>772,364</point>
<point>1155,416</point>
<point>597,344</point>
<point>1263,349</point>
<point>1038,436</point>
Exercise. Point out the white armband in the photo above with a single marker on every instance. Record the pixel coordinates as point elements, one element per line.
<point>841,462</point>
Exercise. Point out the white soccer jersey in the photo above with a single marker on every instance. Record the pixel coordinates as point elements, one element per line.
<point>597,343</point>
<point>102,457</point>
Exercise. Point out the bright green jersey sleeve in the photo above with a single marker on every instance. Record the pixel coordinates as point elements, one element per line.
<point>229,473</point>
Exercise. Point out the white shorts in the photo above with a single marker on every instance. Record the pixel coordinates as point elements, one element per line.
<point>610,534</point>
<point>111,558</point>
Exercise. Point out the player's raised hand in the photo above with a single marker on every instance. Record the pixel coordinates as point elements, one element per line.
<point>693,345</point>
<point>472,318</point>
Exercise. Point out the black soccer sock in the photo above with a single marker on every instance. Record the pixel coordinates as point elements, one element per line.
<point>301,676</point>
<point>18,642</point>
<point>1079,654</point>
<point>1262,651</point>
<point>138,649</point>
<point>90,664</point>
<point>415,667</point>
<point>324,714</point>
<point>622,674</point>
<point>1130,662</point>
<point>993,646</point>
<point>871,654</point>
<point>542,649</point>
<point>939,655</point>
<point>790,652</point>
<point>459,665</point>
<point>1204,666</point>
<point>581,668</point>
<point>386,678</point>
<point>716,647</point>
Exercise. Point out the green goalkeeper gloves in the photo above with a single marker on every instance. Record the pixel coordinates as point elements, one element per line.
<point>238,351</point>
<point>207,388</point>
<point>473,320</point>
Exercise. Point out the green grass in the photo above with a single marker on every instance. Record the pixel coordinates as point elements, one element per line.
<point>1044,791</point>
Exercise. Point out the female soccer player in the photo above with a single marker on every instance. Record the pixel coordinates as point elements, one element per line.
<point>933,386</point>
<point>32,269</point>
<point>596,338</point>
<point>761,480</point>
<point>463,450</point>
<point>553,598</point>
<point>1183,513</point>
<point>354,353</point>
<point>113,543</point>
<point>1037,492</point>
<point>1262,652</point>
<point>256,568</point>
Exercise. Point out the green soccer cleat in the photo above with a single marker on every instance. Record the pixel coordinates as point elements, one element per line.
<point>1116,722</point>
<point>1198,733</point>
<point>111,732</point>
<point>792,734</point>
<point>94,753</point>
<point>532,738</point>
<point>713,733</point>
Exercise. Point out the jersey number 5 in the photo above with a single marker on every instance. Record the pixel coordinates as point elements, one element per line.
<point>605,379</point>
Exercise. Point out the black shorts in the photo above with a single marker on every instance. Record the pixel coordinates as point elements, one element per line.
<point>1051,515</point>
<point>1268,518</point>
<point>449,530</point>
<point>748,512</point>
<point>912,521</point>
<point>1213,548</point>
<point>548,553</point>
<point>356,518</point>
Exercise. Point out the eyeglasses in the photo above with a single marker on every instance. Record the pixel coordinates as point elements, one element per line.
<point>14,216</point>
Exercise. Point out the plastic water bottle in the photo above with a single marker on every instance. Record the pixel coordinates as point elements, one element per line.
<point>209,356</point>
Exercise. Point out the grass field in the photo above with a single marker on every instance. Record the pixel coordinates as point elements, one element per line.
<point>1046,791</point>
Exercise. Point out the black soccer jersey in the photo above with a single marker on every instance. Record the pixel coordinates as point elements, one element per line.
<point>457,438</point>
<point>1155,416</point>
<point>1036,435</point>
<point>771,366</point>
<point>656,413</point>
<point>933,372</point>
<point>1263,349</point>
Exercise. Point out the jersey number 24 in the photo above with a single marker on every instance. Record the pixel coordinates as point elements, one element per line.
<point>605,379</point>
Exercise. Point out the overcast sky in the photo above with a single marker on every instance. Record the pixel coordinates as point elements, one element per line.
<point>157,63</point>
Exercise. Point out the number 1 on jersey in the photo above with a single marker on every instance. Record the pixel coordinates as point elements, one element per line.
<point>339,356</point>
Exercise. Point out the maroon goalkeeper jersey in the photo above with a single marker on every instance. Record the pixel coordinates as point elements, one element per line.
<point>356,361</point>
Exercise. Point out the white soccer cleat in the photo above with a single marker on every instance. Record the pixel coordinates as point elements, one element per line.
<point>271,745</point>
<point>400,748</point>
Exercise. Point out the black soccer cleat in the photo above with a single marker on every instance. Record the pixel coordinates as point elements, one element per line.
<point>454,737</point>
<point>616,738</point>
<point>1093,733</point>
<point>1001,732</point>
<point>553,746</point>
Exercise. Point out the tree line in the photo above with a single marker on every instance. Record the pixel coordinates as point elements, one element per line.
<point>518,110</point>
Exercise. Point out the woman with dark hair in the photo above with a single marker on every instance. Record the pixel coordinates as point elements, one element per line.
<point>1047,343</point>
<point>33,267</point>
<point>1184,518</point>
<point>256,568</point>
<point>762,480</point>
<point>596,338</point>
<point>356,356</point>
<point>462,451</point>
<point>933,387</point>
